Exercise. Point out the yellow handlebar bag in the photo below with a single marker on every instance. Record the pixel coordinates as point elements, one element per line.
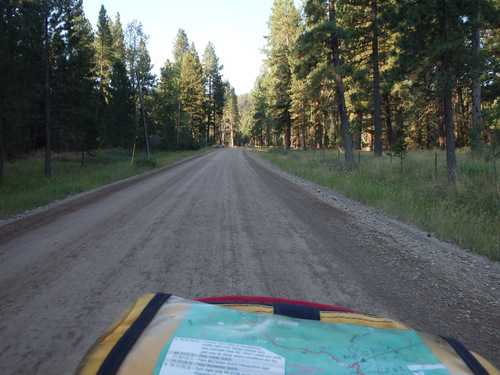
<point>167,335</point>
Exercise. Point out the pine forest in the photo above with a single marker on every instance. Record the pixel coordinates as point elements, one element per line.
<point>380,76</point>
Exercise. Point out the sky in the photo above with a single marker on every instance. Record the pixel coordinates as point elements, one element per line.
<point>236,28</point>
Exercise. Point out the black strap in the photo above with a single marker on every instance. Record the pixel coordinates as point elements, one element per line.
<point>471,361</point>
<point>297,311</point>
<point>115,358</point>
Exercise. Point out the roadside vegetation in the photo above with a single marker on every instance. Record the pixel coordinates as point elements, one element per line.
<point>25,188</point>
<point>466,214</point>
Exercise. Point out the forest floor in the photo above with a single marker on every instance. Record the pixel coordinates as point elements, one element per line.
<point>225,223</point>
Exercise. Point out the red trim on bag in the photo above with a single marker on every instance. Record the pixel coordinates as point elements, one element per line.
<point>270,301</point>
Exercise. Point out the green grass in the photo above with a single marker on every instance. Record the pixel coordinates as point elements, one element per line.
<point>467,214</point>
<point>25,186</point>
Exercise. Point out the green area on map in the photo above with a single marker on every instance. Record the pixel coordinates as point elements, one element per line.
<point>313,346</point>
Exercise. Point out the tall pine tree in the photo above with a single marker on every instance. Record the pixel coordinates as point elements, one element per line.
<point>166,112</point>
<point>192,96</point>
<point>433,41</point>
<point>105,60</point>
<point>119,121</point>
<point>72,72</point>
<point>262,119</point>
<point>214,87</point>
<point>323,37</point>
<point>231,118</point>
<point>284,29</point>
<point>21,51</point>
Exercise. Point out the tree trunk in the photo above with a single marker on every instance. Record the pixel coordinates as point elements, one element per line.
<point>231,130</point>
<point>376,84</point>
<point>288,135</point>
<point>209,110</point>
<point>449,127</point>
<point>2,149</point>
<point>476,145</point>
<point>451,159</point>
<point>358,131</point>
<point>388,119</point>
<point>344,120</point>
<point>462,117</point>
<point>143,114</point>
<point>222,134</point>
<point>304,129</point>
<point>325,132</point>
<point>99,92</point>
<point>441,126</point>
<point>48,170</point>
<point>268,134</point>
<point>178,125</point>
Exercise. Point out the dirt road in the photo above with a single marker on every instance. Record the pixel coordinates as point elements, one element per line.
<point>225,223</point>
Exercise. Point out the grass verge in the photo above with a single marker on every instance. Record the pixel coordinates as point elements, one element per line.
<point>467,214</point>
<point>25,186</point>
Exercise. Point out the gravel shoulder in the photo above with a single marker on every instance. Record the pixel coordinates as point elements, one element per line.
<point>225,223</point>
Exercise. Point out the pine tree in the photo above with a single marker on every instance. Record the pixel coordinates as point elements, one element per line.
<point>484,28</point>
<point>181,46</point>
<point>139,67</point>
<point>261,128</point>
<point>320,53</point>
<point>363,22</point>
<point>218,107</point>
<point>344,120</point>
<point>231,116</point>
<point>476,83</point>
<point>48,31</point>
<point>82,65</point>
<point>245,108</point>
<point>213,81</point>
<point>137,56</point>
<point>166,112</point>
<point>284,29</point>
<point>21,47</point>
<point>120,109</point>
<point>377,104</point>
<point>302,108</point>
<point>433,41</point>
<point>317,73</point>
<point>118,48</point>
<point>119,129</point>
<point>72,85</point>
<point>105,58</point>
<point>491,58</point>
<point>192,96</point>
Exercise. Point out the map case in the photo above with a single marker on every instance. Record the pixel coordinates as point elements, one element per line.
<point>214,340</point>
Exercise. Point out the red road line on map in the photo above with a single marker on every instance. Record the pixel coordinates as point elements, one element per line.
<point>355,365</point>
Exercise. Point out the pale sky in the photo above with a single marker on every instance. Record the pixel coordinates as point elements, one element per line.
<point>235,27</point>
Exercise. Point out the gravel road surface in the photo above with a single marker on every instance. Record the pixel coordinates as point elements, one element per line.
<point>225,223</point>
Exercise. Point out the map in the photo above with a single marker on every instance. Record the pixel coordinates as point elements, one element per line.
<point>214,340</point>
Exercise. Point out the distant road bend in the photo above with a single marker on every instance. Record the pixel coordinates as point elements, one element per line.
<point>225,223</point>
